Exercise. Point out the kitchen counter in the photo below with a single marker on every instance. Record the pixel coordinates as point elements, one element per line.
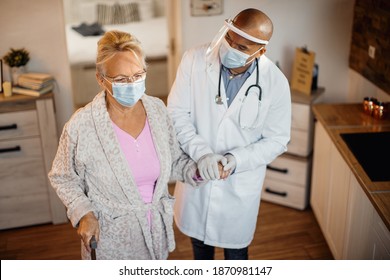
<point>350,118</point>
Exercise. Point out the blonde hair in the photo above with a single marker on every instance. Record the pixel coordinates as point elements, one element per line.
<point>115,41</point>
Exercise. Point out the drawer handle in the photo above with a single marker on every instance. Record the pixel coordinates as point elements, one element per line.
<point>268,190</point>
<point>281,170</point>
<point>8,127</point>
<point>7,150</point>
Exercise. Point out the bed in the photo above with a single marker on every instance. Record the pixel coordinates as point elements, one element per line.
<point>148,26</point>
<point>151,33</point>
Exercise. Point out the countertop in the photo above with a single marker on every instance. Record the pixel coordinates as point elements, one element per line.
<point>350,118</point>
<point>20,102</point>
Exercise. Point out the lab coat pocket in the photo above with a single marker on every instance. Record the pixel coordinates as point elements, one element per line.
<point>252,112</point>
<point>248,114</point>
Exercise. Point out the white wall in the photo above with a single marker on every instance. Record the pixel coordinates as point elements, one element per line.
<point>38,26</point>
<point>324,26</point>
<point>360,87</point>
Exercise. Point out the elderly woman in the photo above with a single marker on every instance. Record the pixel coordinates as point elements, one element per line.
<point>115,158</point>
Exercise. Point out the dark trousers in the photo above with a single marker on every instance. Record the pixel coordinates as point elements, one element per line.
<point>206,252</point>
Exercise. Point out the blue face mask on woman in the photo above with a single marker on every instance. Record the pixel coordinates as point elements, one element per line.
<point>127,94</point>
<point>232,58</point>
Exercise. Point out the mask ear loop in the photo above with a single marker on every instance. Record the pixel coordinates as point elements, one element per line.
<point>106,90</point>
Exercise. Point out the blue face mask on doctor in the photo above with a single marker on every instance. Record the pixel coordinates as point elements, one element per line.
<point>128,94</point>
<point>232,58</point>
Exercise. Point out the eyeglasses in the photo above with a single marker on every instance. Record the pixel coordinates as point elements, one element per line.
<point>126,80</point>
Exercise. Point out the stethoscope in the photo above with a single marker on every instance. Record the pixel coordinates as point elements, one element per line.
<point>218,98</point>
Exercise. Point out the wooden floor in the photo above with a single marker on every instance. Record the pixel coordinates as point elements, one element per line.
<point>282,234</point>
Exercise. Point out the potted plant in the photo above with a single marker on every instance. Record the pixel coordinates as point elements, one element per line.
<point>16,59</point>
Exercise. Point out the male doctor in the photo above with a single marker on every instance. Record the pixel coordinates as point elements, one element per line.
<point>231,106</point>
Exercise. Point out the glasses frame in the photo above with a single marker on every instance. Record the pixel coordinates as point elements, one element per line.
<point>125,79</point>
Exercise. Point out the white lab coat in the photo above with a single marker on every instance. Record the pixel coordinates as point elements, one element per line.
<point>223,213</point>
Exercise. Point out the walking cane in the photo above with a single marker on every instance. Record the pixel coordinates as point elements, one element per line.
<point>93,245</point>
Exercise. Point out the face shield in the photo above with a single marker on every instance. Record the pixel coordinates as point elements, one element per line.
<point>219,38</point>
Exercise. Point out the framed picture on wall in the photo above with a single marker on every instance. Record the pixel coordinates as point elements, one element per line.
<point>1,76</point>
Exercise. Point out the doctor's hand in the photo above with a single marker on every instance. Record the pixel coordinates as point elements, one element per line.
<point>208,166</point>
<point>88,226</point>
<point>231,163</point>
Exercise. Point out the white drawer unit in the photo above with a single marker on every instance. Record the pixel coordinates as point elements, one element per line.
<point>288,177</point>
<point>28,142</point>
<point>301,142</point>
<point>286,181</point>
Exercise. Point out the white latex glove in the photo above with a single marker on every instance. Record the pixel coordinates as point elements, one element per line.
<point>208,166</point>
<point>231,163</point>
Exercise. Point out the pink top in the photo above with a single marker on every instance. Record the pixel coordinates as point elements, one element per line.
<point>142,158</point>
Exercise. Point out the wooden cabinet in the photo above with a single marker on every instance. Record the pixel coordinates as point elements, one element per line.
<point>28,143</point>
<point>348,220</point>
<point>336,212</point>
<point>380,241</point>
<point>360,217</point>
<point>330,183</point>
<point>287,181</point>
<point>321,175</point>
<point>366,235</point>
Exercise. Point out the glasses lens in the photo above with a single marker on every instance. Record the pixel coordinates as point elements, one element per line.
<point>120,80</point>
<point>138,77</point>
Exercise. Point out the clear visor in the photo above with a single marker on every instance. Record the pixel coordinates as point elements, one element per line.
<point>228,25</point>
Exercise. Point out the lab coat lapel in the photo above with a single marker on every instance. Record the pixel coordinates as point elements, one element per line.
<point>112,150</point>
<point>213,72</point>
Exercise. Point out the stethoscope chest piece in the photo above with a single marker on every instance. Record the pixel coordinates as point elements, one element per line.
<point>218,100</point>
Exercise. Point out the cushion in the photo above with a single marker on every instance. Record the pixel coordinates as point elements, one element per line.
<point>85,29</point>
<point>145,8</point>
<point>104,14</point>
<point>117,13</point>
<point>125,13</point>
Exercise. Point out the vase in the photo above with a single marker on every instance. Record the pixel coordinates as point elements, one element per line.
<point>16,72</point>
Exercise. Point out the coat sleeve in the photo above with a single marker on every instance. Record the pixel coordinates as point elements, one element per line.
<point>66,177</point>
<point>179,108</point>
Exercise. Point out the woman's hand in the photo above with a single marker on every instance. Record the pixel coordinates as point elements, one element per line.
<point>223,174</point>
<point>88,227</point>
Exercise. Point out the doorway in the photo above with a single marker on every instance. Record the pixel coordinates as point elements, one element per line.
<point>155,28</point>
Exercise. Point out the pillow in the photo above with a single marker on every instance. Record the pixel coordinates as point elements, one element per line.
<point>105,13</point>
<point>145,8</point>
<point>117,13</point>
<point>125,13</point>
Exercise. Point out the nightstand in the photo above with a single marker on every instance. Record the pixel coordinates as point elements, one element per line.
<point>28,144</point>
